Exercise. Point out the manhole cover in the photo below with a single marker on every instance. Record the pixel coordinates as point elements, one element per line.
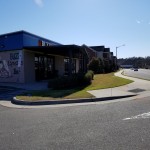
<point>136,90</point>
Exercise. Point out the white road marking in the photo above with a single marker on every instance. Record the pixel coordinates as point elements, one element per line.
<point>140,116</point>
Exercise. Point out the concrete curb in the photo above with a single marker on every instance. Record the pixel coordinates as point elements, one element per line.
<point>66,101</point>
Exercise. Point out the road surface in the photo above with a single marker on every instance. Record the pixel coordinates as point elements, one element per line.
<point>109,125</point>
<point>141,73</point>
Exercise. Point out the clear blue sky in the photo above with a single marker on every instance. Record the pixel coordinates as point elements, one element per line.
<point>91,22</point>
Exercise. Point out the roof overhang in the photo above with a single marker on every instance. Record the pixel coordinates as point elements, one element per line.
<point>62,50</point>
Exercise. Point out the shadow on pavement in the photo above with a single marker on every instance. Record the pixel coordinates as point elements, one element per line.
<point>7,92</point>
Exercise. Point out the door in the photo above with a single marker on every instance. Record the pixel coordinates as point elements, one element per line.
<point>44,67</point>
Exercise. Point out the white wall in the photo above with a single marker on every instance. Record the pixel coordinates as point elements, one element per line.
<point>29,66</point>
<point>100,55</point>
<point>59,65</point>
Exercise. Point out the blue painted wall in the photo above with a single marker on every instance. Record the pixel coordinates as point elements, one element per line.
<point>11,41</point>
<point>20,39</point>
<point>32,40</point>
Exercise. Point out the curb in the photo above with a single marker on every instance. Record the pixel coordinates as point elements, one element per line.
<point>66,101</point>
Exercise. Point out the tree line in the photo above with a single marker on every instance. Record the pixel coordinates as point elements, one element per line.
<point>141,62</point>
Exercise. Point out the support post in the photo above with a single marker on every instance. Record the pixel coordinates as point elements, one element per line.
<point>70,62</point>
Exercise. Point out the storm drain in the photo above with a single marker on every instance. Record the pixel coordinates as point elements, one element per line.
<point>136,90</point>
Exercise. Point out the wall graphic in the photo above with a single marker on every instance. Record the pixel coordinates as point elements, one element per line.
<point>4,69</point>
<point>15,62</point>
<point>11,66</point>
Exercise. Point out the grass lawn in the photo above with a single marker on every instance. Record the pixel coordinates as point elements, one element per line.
<point>101,81</point>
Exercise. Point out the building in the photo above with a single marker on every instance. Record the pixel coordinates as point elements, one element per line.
<point>126,66</point>
<point>25,57</point>
<point>99,51</point>
<point>109,60</point>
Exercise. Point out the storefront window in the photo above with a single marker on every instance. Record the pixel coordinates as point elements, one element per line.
<point>73,66</point>
<point>44,67</point>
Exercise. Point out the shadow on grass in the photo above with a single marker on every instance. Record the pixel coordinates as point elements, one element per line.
<point>53,93</point>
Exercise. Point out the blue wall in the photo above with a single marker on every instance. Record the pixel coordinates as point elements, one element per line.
<point>20,39</point>
<point>11,41</point>
<point>32,40</point>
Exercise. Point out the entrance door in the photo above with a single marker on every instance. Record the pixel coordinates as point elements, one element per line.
<point>44,67</point>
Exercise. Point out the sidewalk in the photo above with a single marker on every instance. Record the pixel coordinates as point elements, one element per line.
<point>138,87</point>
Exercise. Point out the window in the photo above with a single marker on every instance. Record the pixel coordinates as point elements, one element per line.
<point>44,67</point>
<point>73,66</point>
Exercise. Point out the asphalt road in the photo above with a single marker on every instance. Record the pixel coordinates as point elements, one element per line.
<point>123,125</point>
<point>141,73</point>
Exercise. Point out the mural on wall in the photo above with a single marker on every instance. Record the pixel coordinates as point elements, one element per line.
<point>15,62</point>
<point>11,65</point>
<point>4,70</point>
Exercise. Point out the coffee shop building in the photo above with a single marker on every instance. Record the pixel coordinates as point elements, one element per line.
<point>25,57</point>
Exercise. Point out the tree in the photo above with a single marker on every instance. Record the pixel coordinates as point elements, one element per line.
<point>136,62</point>
<point>94,65</point>
<point>106,66</point>
<point>101,68</point>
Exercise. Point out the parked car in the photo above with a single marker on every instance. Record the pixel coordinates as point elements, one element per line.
<point>135,69</point>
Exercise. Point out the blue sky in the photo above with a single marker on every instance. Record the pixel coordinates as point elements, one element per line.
<point>91,22</point>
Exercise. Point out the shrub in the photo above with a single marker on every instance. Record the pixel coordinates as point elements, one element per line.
<point>73,81</point>
<point>87,78</point>
<point>92,73</point>
<point>59,83</point>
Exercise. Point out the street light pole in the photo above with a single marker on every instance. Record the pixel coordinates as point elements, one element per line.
<point>118,47</point>
<point>116,53</point>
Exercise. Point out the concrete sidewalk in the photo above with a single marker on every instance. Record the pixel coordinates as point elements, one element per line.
<point>138,87</point>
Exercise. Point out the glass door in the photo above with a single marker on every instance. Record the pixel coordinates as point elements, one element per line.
<point>44,67</point>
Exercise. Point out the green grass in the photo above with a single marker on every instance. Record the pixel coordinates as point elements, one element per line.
<point>109,80</point>
<point>101,81</point>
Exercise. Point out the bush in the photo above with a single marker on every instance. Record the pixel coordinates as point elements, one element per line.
<point>92,73</point>
<point>73,81</point>
<point>87,78</point>
<point>59,83</point>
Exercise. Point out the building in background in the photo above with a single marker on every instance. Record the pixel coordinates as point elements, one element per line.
<point>107,57</point>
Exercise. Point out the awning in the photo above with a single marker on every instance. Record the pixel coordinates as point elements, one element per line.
<point>62,50</point>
